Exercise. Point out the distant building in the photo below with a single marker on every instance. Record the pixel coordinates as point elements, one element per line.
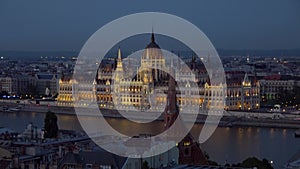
<point>18,84</point>
<point>33,133</point>
<point>9,85</point>
<point>270,89</point>
<point>243,95</point>
<point>44,81</point>
<point>91,160</point>
<point>65,92</point>
<point>240,95</point>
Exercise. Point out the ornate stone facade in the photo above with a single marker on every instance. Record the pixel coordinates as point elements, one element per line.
<point>115,88</point>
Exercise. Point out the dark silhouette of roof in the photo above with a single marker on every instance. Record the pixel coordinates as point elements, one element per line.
<point>45,76</point>
<point>94,157</point>
<point>152,44</point>
<point>201,167</point>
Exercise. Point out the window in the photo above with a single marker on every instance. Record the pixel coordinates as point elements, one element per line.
<point>186,143</point>
<point>105,167</point>
<point>187,151</point>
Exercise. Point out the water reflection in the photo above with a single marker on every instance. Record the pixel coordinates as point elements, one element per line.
<point>230,145</point>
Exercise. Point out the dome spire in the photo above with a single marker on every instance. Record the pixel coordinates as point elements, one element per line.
<point>152,36</point>
<point>152,44</point>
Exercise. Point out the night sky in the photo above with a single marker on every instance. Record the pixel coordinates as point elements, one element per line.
<point>35,25</point>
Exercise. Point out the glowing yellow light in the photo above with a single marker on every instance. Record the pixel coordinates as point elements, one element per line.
<point>186,143</point>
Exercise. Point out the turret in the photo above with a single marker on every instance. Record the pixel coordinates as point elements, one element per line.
<point>246,82</point>
<point>119,73</point>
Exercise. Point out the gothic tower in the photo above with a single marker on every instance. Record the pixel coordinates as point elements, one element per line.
<point>119,73</point>
<point>189,148</point>
<point>118,77</point>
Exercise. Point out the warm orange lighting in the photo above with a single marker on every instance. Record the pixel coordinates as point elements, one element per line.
<point>186,143</point>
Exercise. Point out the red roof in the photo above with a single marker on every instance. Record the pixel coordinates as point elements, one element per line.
<point>272,77</point>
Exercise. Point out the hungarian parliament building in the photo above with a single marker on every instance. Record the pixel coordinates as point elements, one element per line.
<point>117,87</point>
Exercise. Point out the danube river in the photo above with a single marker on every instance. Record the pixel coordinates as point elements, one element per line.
<point>229,145</point>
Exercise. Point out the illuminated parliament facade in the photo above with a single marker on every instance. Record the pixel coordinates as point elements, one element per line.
<point>117,87</point>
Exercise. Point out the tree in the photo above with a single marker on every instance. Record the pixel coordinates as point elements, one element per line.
<point>210,162</point>
<point>51,128</point>
<point>254,162</point>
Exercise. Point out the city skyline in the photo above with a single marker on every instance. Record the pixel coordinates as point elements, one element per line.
<point>149,84</point>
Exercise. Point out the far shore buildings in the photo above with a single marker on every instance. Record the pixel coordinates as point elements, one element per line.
<point>22,84</point>
<point>272,86</point>
<point>134,93</point>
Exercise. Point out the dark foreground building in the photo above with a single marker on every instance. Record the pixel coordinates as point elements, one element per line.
<point>189,148</point>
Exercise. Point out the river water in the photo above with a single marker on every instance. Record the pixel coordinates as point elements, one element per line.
<point>231,145</point>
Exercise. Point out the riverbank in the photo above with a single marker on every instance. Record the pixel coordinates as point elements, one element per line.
<point>229,119</point>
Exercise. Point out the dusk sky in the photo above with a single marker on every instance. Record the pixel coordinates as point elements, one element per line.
<point>34,25</point>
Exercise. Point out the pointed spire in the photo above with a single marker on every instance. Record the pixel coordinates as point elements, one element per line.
<point>119,54</point>
<point>119,61</point>
<point>246,78</point>
<point>246,81</point>
<point>152,36</point>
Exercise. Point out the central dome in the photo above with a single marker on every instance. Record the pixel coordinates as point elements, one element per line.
<point>152,58</point>
<point>152,50</point>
